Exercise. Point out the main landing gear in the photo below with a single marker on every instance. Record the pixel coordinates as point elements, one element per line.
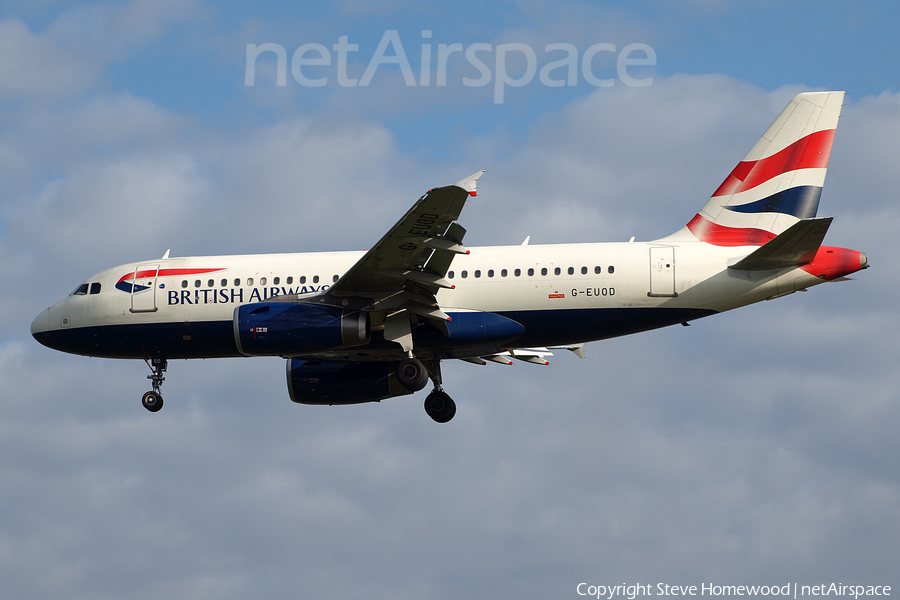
<point>153,400</point>
<point>440,406</point>
<point>413,375</point>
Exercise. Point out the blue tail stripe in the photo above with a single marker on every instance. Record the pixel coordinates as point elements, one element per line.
<point>801,201</point>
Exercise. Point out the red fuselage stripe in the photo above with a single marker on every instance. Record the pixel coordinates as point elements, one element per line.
<point>165,273</point>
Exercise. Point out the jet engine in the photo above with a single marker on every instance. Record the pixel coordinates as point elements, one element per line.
<point>325,382</point>
<point>285,328</point>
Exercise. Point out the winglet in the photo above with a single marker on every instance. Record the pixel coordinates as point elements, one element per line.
<point>468,184</point>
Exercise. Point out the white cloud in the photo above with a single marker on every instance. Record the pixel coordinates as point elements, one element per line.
<point>35,65</point>
<point>72,53</point>
<point>311,186</point>
<point>627,161</point>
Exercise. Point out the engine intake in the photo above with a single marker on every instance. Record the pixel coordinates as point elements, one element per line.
<point>287,328</point>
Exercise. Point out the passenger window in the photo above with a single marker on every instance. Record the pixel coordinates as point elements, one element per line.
<point>249,281</point>
<point>464,274</point>
<point>598,270</point>
<point>334,279</point>
<point>517,272</point>
<point>237,282</point>
<point>81,290</point>
<point>450,274</point>
<point>276,281</point>
<point>611,269</point>
<point>557,271</point>
<point>224,282</point>
<point>584,270</point>
<point>490,272</point>
<point>262,281</point>
<point>315,279</point>
<point>95,288</point>
<point>290,280</point>
<point>196,283</point>
<point>210,283</point>
<point>531,272</point>
<point>571,270</point>
<point>184,283</point>
<point>303,279</point>
<point>503,273</point>
<point>544,271</point>
<point>477,273</point>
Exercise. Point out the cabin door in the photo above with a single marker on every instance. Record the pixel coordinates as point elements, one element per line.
<point>662,272</point>
<point>143,289</point>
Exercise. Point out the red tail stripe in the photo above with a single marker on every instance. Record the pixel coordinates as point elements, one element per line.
<point>719,235</point>
<point>810,152</point>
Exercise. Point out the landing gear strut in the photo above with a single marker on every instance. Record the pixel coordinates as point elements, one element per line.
<point>413,375</point>
<point>153,400</point>
<point>438,405</point>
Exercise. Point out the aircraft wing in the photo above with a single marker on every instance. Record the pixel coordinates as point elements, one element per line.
<point>408,266</point>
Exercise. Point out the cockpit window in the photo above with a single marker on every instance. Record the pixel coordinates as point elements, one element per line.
<point>81,290</point>
<point>95,288</point>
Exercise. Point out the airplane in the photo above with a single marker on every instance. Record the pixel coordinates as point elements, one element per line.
<point>365,326</point>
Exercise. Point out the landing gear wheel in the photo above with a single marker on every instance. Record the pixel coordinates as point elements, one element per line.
<point>412,374</point>
<point>152,401</point>
<point>440,406</point>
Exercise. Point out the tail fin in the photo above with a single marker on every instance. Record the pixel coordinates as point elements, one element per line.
<point>779,181</point>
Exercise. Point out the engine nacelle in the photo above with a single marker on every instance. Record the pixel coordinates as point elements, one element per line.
<point>311,382</point>
<point>286,328</point>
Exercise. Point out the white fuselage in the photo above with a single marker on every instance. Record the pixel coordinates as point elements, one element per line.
<point>563,294</point>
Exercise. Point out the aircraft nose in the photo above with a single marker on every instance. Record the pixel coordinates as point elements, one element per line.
<point>41,323</point>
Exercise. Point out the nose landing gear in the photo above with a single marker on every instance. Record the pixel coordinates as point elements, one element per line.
<point>153,400</point>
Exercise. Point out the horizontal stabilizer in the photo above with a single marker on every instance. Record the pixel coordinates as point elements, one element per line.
<point>797,245</point>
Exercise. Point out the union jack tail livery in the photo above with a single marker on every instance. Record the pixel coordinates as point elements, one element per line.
<point>780,180</point>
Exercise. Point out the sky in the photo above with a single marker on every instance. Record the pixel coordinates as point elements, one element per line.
<point>756,447</point>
